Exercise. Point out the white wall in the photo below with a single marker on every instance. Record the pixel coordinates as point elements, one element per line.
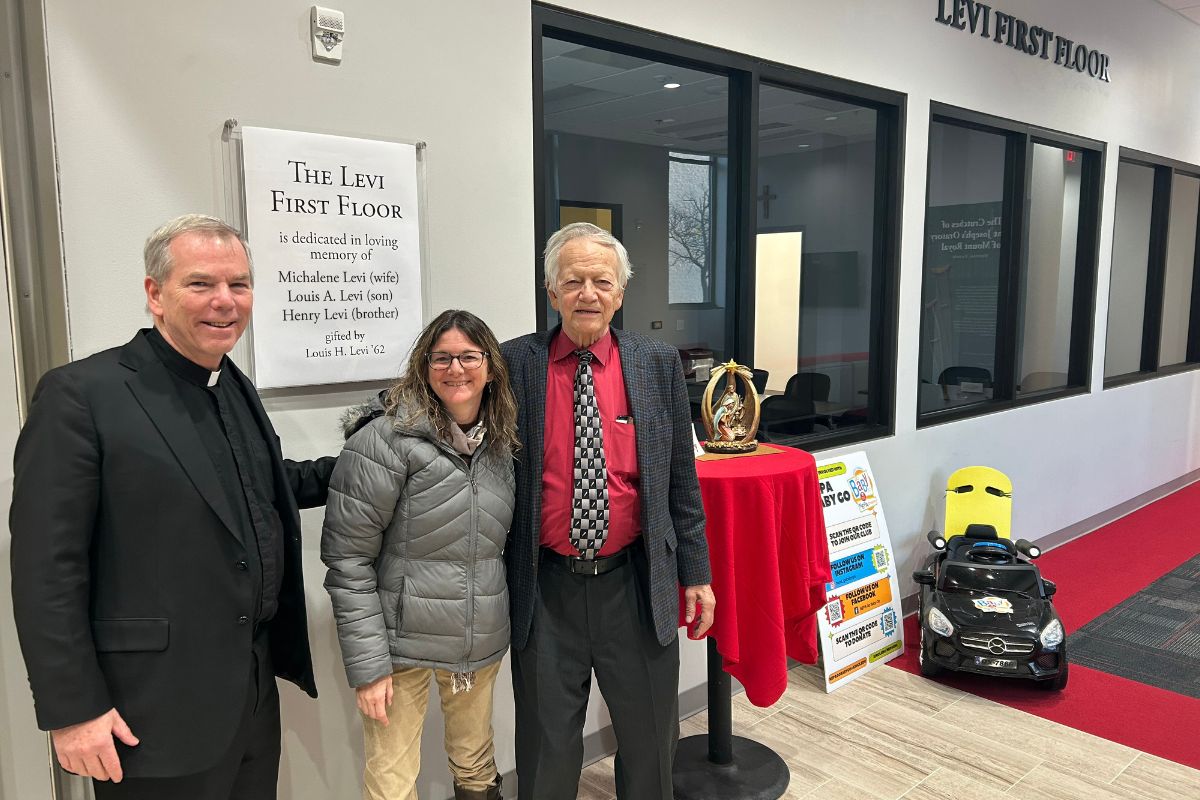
<point>139,108</point>
<point>24,769</point>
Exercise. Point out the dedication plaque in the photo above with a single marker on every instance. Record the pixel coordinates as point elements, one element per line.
<point>334,230</point>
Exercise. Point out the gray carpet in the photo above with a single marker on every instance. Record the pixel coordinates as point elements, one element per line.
<point>1152,638</point>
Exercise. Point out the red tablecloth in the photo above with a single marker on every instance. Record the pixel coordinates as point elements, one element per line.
<point>770,564</point>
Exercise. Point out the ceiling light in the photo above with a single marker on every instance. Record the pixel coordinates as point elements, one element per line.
<point>664,120</point>
<point>803,145</point>
<point>671,85</point>
<point>831,118</point>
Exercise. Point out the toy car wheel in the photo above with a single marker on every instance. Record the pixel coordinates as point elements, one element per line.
<point>928,668</point>
<point>1058,682</point>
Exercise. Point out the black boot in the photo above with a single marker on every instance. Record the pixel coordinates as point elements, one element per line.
<point>490,793</point>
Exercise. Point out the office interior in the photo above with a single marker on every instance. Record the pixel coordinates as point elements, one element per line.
<point>941,248</point>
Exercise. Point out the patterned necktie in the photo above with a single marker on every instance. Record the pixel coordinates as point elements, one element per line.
<point>589,509</point>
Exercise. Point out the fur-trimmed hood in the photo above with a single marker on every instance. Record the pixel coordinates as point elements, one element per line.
<point>355,417</point>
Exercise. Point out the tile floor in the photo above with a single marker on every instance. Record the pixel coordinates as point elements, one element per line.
<point>894,735</point>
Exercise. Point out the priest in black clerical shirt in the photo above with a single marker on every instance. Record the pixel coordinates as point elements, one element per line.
<point>156,562</point>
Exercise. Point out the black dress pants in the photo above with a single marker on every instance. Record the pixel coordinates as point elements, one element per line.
<point>249,769</point>
<point>600,623</point>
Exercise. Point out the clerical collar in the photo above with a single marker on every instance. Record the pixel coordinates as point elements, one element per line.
<point>180,364</point>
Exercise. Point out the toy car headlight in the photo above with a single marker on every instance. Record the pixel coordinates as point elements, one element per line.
<point>939,624</point>
<point>1052,634</point>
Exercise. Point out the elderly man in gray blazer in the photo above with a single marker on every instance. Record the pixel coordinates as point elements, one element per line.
<point>608,526</point>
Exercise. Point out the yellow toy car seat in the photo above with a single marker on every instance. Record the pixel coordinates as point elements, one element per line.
<point>978,496</point>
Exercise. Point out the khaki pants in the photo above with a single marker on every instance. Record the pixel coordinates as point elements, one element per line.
<point>393,752</point>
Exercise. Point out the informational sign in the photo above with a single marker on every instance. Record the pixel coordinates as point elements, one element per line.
<point>860,623</point>
<point>334,228</point>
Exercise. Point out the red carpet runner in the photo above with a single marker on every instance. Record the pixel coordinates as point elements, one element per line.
<point>1095,573</point>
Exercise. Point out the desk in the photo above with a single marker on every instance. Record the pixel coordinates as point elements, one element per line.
<point>777,419</point>
<point>935,397</point>
<point>825,408</point>
<point>770,564</point>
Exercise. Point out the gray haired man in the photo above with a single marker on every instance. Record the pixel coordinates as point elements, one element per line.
<point>608,526</point>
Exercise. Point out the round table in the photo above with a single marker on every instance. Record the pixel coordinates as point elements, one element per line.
<point>770,563</point>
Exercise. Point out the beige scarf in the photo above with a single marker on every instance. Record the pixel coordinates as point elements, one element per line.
<point>466,444</point>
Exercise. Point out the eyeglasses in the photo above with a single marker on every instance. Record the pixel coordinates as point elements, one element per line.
<point>467,359</point>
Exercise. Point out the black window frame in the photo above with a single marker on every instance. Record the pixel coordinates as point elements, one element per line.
<point>1165,170</point>
<point>745,73</point>
<point>1014,254</point>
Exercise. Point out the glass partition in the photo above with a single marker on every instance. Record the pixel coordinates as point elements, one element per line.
<point>815,237</point>
<point>646,140</point>
<point>1181,261</point>
<point>960,289</point>
<point>1048,279</point>
<point>1127,282</point>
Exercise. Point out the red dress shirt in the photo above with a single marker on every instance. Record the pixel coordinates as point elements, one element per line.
<point>620,447</point>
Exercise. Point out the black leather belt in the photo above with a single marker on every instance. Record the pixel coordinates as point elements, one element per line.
<point>580,566</point>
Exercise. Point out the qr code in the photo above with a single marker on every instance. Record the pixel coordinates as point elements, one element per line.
<point>834,611</point>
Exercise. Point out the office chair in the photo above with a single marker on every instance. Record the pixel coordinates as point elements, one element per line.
<point>760,380</point>
<point>794,411</point>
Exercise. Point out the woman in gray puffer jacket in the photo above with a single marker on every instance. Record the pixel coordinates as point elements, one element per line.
<point>419,509</point>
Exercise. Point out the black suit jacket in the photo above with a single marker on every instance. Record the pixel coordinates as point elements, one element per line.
<point>672,512</point>
<point>128,575</point>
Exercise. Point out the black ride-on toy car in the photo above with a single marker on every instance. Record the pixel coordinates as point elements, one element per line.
<point>984,606</point>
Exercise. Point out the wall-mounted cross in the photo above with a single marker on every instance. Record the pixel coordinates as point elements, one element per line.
<point>765,198</point>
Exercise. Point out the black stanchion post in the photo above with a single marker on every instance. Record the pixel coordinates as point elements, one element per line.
<point>720,709</point>
<point>721,766</point>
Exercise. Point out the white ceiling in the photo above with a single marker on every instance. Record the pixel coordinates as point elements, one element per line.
<point>609,95</point>
<point>1188,8</point>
